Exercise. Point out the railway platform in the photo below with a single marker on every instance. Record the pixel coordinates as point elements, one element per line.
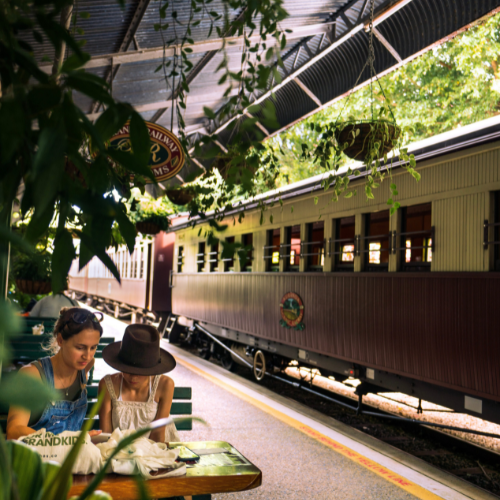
<point>302,454</point>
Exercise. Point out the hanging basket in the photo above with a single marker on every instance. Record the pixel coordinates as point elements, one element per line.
<point>145,227</point>
<point>180,196</point>
<point>370,132</point>
<point>224,167</point>
<point>34,287</point>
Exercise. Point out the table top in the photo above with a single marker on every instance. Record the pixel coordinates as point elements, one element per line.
<point>217,473</point>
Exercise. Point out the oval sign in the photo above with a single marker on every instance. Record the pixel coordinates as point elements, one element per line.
<point>291,309</point>
<point>167,156</point>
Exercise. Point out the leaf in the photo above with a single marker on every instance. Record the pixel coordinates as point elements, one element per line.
<point>24,391</point>
<point>101,254</point>
<point>130,163</point>
<point>139,136</point>
<point>127,230</point>
<point>48,166</point>
<point>316,199</point>
<point>62,257</point>
<point>74,62</point>
<point>50,471</point>
<point>88,86</point>
<point>112,120</point>
<point>84,15</point>
<point>208,113</point>
<point>27,470</point>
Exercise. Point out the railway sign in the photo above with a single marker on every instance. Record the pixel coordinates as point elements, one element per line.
<point>166,155</point>
<point>292,311</point>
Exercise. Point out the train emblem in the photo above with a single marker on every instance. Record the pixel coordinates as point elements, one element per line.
<point>292,311</point>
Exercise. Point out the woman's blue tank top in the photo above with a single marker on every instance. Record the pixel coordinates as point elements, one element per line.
<point>60,416</point>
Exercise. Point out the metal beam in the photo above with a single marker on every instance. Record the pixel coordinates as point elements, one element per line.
<point>309,92</point>
<point>258,124</point>
<point>387,45</point>
<point>216,44</point>
<point>153,106</point>
<point>126,42</point>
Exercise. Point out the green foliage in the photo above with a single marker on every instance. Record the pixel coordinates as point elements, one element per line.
<point>145,209</point>
<point>453,85</point>
<point>47,143</point>
<point>35,267</point>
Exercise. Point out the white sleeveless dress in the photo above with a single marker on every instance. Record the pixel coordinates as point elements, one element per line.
<point>134,414</point>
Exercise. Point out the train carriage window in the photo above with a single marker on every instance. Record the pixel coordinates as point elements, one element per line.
<point>376,249</point>
<point>180,259</point>
<point>213,257</point>
<point>272,253</point>
<point>314,248</point>
<point>246,254</point>
<point>291,250</point>
<point>496,231</point>
<point>143,261</point>
<point>200,257</point>
<point>344,244</point>
<point>229,262</point>
<point>416,238</point>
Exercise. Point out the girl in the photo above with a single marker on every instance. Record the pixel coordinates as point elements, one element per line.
<point>139,393</point>
<point>76,337</point>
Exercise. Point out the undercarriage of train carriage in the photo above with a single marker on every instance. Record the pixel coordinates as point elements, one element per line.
<point>271,359</point>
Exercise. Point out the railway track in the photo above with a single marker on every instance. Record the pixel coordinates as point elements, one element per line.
<point>475,464</point>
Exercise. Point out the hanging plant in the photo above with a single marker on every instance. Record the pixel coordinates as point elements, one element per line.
<point>180,196</point>
<point>32,273</point>
<point>368,140</point>
<point>234,165</point>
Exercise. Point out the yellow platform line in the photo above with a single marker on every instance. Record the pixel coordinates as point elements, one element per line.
<point>356,457</point>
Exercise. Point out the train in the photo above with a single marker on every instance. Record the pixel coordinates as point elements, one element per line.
<point>404,302</point>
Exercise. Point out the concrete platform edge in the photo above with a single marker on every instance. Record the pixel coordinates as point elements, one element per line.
<point>437,482</point>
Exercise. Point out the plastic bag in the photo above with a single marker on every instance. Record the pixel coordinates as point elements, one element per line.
<point>55,448</point>
<point>142,457</point>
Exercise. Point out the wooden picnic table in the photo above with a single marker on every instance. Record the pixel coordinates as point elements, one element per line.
<point>217,473</point>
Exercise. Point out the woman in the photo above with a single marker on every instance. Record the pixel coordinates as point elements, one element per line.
<point>139,393</point>
<point>76,337</point>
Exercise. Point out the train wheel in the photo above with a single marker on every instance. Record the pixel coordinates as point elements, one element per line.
<point>204,350</point>
<point>259,366</point>
<point>227,361</point>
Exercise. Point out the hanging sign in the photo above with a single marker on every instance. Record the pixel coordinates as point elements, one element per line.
<point>167,156</point>
<point>292,311</point>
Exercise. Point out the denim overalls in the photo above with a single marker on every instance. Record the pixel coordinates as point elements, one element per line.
<point>60,416</point>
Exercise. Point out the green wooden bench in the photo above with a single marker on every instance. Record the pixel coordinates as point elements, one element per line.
<point>180,405</point>
<point>28,322</point>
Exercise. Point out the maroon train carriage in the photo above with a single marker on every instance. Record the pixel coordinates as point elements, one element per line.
<point>407,303</point>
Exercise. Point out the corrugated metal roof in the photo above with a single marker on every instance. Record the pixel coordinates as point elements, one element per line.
<point>327,64</point>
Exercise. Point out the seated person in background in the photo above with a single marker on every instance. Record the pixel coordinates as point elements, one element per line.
<point>139,393</point>
<point>75,339</point>
<point>50,306</point>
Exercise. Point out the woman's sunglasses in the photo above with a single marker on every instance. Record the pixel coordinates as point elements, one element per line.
<point>82,316</point>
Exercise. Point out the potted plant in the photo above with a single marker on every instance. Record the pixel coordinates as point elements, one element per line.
<point>368,140</point>
<point>232,164</point>
<point>181,195</point>
<point>33,272</point>
<point>150,216</point>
